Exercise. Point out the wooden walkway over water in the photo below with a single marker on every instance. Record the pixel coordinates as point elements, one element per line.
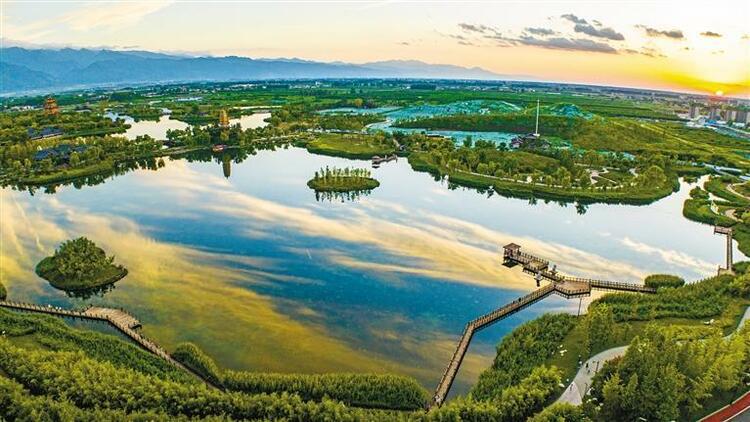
<point>120,319</point>
<point>566,286</point>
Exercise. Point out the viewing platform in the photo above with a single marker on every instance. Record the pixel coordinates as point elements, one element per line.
<point>562,285</point>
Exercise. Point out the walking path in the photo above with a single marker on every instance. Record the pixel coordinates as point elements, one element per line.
<point>582,381</point>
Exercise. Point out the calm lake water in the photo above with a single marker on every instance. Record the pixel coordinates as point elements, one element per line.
<point>158,129</point>
<point>263,277</point>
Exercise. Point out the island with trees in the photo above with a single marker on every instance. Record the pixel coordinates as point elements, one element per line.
<point>79,264</point>
<point>342,180</point>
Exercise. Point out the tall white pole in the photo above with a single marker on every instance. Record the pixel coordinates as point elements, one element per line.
<point>536,131</point>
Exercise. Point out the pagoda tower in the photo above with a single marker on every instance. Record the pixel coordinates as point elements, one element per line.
<point>50,107</point>
<point>223,118</point>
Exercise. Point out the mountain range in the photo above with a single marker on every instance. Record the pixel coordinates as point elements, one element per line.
<point>25,69</point>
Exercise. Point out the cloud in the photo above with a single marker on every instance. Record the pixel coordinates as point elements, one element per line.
<point>569,44</point>
<point>653,32</point>
<point>541,31</point>
<point>670,256</point>
<point>573,18</point>
<point>745,37</point>
<point>404,43</point>
<point>646,51</point>
<point>593,31</point>
<point>711,34</point>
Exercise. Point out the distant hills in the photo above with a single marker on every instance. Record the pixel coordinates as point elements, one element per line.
<point>23,69</point>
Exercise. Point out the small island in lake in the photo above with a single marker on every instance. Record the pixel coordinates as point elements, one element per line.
<point>342,180</point>
<point>79,264</point>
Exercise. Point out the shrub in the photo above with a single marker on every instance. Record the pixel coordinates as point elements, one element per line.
<point>527,347</point>
<point>516,403</point>
<point>79,264</point>
<point>194,358</point>
<point>697,300</point>
<point>561,412</point>
<point>664,280</point>
<point>363,390</point>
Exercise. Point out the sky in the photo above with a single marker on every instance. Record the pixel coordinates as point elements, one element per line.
<point>696,46</point>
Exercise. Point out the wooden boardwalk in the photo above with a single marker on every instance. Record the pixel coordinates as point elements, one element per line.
<point>565,286</point>
<point>475,325</point>
<point>540,268</point>
<point>118,318</point>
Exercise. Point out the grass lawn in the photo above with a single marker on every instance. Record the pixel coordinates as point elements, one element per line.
<point>349,146</point>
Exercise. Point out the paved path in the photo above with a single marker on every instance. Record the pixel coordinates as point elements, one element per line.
<point>582,381</point>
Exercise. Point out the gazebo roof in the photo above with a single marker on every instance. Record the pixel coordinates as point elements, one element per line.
<point>512,246</point>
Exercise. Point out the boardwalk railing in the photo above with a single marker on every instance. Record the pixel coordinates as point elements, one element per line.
<point>563,285</point>
<point>449,375</point>
<point>118,318</point>
<point>525,259</point>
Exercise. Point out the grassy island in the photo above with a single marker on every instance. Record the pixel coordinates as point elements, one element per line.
<point>342,180</point>
<point>79,264</point>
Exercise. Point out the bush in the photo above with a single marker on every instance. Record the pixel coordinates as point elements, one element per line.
<point>527,347</point>
<point>89,384</point>
<point>54,334</point>
<point>740,286</point>
<point>363,390</point>
<point>79,264</point>
<point>3,292</point>
<point>697,300</point>
<point>664,280</point>
<point>194,358</point>
<point>516,403</point>
<point>561,412</point>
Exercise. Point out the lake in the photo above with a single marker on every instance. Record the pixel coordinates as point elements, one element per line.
<point>263,277</point>
<point>158,129</point>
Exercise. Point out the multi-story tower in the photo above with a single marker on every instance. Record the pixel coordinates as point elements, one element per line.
<point>223,118</point>
<point>50,107</point>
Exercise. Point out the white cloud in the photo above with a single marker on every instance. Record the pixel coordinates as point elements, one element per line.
<point>670,256</point>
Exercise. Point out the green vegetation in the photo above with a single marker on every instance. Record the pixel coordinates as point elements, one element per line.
<point>551,174</point>
<point>664,280</point>
<point>194,358</point>
<point>361,390</point>
<point>3,292</point>
<point>732,209</point>
<point>664,376</point>
<point>351,145</point>
<point>33,344</point>
<point>79,264</point>
<point>696,300</point>
<point>527,347</point>
<point>342,180</point>
<point>43,332</point>
<point>348,122</point>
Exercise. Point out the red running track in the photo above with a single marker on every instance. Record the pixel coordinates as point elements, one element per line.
<point>730,411</point>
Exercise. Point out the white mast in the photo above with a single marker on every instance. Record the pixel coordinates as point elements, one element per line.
<point>536,131</point>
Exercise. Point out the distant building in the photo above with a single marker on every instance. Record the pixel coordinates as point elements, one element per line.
<point>59,153</point>
<point>742,116</point>
<point>715,113</point>
<point>50,107</point>
<point>695,111</point>
<point>47,132</point>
